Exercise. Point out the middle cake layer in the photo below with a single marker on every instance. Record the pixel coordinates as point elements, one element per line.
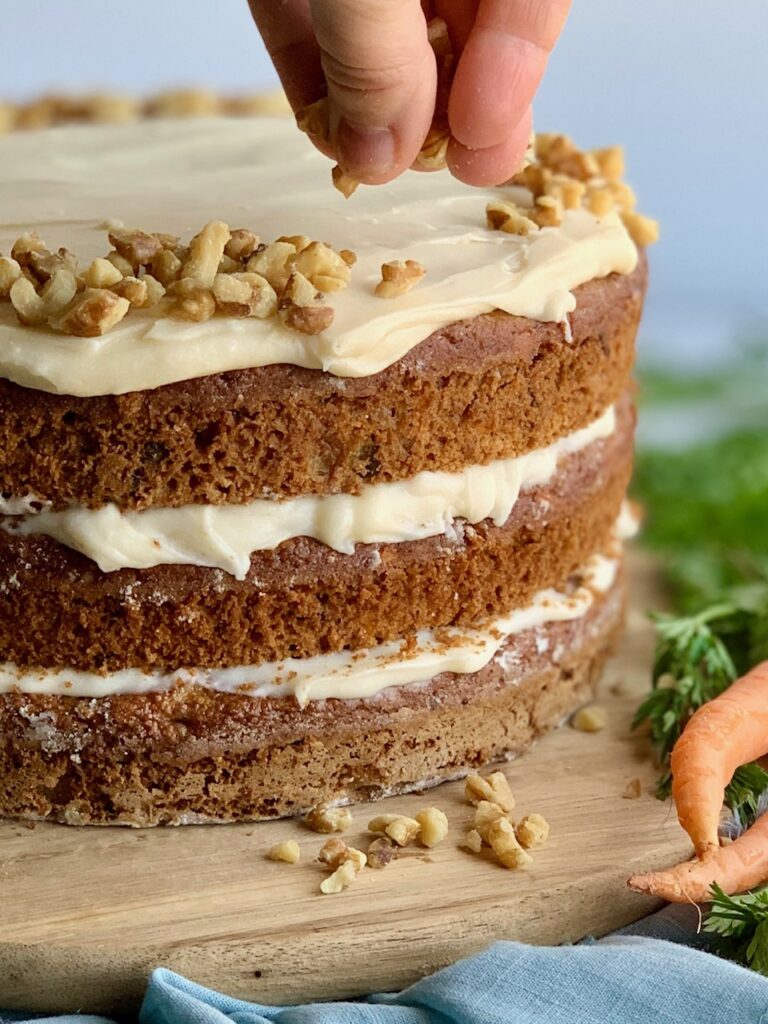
<point>303,599</point>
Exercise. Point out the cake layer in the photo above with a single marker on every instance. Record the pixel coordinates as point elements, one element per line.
<point>302,599</point>
<point>191,755</point>
<point>225,536</point>
<point>493,387</point>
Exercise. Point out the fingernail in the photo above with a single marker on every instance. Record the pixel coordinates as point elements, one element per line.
<point>364,150</point>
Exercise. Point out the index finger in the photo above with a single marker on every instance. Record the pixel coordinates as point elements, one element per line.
<point>501,66</point>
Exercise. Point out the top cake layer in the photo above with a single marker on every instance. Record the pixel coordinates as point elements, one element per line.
<point>265,176</point>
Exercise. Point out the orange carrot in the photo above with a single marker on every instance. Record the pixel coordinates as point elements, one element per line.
<point>737,867</point>
<point>729,731</point>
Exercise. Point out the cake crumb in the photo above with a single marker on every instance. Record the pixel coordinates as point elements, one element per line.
<point>288,852</point>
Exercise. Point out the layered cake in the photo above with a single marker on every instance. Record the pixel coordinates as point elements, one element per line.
<point>303,499</point>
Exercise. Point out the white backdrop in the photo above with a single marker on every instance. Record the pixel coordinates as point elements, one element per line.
<point>683,83</point>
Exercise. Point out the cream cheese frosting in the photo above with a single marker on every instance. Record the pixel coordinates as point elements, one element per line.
<point>225,536</point>
<point>346,675</point>
<point>263,174</point>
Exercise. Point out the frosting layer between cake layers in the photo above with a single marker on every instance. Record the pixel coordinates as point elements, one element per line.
<point>225,536</point>
<point>158,176</point>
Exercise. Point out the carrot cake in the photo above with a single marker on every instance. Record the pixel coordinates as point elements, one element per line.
<point>302,499</point>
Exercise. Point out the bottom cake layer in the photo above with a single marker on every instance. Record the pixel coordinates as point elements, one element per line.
<point>192,755</point>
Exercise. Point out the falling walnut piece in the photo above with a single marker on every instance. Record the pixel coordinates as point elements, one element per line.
<point>329,819</point>
<point>398,277</point>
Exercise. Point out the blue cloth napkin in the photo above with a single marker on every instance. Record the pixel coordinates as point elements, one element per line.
<point>628,978</point>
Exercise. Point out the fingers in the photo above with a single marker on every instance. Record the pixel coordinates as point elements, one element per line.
<point>500,69</point>
<point>381,82</point>
<point>288,34</point>
<point>494,165</point>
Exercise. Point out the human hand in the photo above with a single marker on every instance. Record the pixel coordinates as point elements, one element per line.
<point>374,60</point>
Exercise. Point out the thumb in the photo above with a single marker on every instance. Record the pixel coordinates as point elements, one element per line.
<point>381,83</point>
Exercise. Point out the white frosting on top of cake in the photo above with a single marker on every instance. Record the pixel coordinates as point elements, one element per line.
<point>263,174</point>
<point>224,536</point>
<point>347,675</point>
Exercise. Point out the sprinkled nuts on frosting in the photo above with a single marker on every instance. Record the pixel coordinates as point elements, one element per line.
<point>301,307</point>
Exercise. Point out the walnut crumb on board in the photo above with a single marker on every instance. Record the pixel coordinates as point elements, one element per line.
<point>633,790</point>
<point>592,718</point>
<point>288,852</point>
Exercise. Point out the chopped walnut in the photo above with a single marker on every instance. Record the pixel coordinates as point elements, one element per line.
<point>272,261</point>
<point>205,252</point>
<point>493,788</point>
<point>600,202</point>
<point>349,257</point>
<point>381,851</point>
<point>137,247</point>
<point>642,230</point>
<point>288,851</point>
<point>314,121</point>
<point>133,289</point>
<point>502,840</point>
<point>398,277</point>
<point>610,162</point>
<point>432,155</point>
<point>547,212</point>
<point>590,719</point>
<point>472,841</point>
<point>343,182</point>
<point>340,880</point>
<point>242,245</point>
<point>325,269</point>
<point>33,309</point>
<point>486,813</point>
<point>10,271</point>
<point>335,852</point>
<point>94,313</point>
<point>567,191</point>
<point>120,262</point>
<point>166,267</point>
<point>155,290</point>
<point>101,274</point>
<point>299,242</point>
<point>532,830</point>
<point>505,216</point>
<point>244,295</point>
<point>194,302</point>
<point>434,826</point>
<point>27,246</point>
<point>400,829</point>
<point>301,307</point>
<point>633,790</point>
<point>43,265</point>
<point>329,819</point>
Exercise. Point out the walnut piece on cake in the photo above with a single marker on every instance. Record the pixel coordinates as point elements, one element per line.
<point>398,277</point>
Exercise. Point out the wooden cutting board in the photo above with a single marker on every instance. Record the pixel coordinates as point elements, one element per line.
<point>86,913</point>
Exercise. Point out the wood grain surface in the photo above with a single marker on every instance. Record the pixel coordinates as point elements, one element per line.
<point>85,913</point>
